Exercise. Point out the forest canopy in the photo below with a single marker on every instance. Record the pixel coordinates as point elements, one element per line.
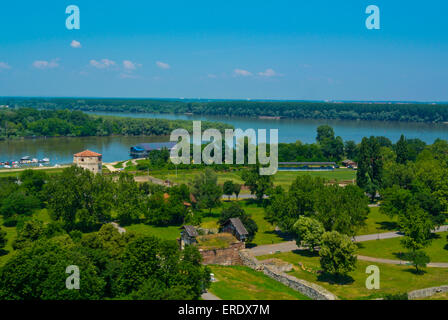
<point>407,112</point>
<point>29,122</point>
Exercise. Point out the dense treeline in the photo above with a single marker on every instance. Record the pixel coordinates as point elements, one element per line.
<point>29,122</point>
<point>409,112</point>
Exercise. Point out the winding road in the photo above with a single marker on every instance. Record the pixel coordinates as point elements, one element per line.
<point>291,246</point>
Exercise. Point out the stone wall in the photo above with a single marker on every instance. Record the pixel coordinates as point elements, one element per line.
<point>311,290</point>
<point>225,257</point>
<point>423,293</point>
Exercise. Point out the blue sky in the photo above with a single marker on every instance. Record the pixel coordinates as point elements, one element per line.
<point>307,50</point>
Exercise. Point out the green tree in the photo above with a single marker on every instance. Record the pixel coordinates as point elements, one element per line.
<point>174,274</point>
<point>228,188</point>
<point>419,259</point>
<point>351,150</point>
<point>342,209</point>
<point>309,232</point>
<point>31,231</point>
<point>18,203</point>
<point>258,184</point>
<point>236,189</point>
<point>128,200</point>
<point>285,208</point>
<point>337,254</point>
<point>206,190</point>
<point>402,150</point>
<point>324,132</point>
<point>370,166</point>
<point>416,225</point>
<point>38,272</point>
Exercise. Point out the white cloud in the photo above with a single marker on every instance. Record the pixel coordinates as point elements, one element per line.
<point>103,64</point>
<point>130,66</point>
<point>163,65</point>
<point>241,72</point>
<point>4,66</point>
<point>75,44</point>
<point>268,73</point>
<point>212,76</point>
<point>42,64</point>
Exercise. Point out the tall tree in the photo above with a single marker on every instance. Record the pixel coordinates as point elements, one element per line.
<point>324,132</point>
<point>309,232</point>
<point>228,188</point>
<point>258,184</point>
<point>370,166</point>
<point>402,150</point>
<point>206,190</point>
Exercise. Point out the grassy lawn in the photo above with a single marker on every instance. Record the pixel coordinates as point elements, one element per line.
<point>282,178</point>
<point>165,233</point>
<point>391,248</point>
<point>285,178</point>
<point>266,232</point>
<point>5,173</point>
<point>394,279</point>
<point>242,283</point>
<point>378,222</point>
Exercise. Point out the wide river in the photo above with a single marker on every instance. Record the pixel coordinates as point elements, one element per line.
<point>61,150</point>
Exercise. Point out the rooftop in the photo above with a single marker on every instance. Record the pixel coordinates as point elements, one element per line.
<point>190,230</point>
<point>239,226</point>
<point>87,153</point>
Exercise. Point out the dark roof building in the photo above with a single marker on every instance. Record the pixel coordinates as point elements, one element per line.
<point>142,150</point>
<point>236,227</point>
<point>190,231</point>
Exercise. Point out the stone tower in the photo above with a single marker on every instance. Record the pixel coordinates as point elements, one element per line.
<point>89,160</point>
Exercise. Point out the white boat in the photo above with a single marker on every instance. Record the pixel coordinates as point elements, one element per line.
<point>45,160</point>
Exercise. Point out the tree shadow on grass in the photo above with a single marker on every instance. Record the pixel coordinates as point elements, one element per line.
<point>420,272</point>
<point>306,253</point>
<point>446,247</point>
<point>335,279</point>
<point>388,225</point>
<point>283,235</point>
<point>402,255</point>
<point>3,252</point>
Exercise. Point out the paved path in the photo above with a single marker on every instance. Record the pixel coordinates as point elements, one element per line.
<point>209,296</point>
<point>291,245</point>
<point>401,262</point>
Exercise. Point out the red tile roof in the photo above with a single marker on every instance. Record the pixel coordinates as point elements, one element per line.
<point>88,153</point>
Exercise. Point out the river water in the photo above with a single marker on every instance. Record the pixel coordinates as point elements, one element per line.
<point>61,150</point>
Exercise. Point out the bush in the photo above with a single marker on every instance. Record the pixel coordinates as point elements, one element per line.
<point>337,254</point>
<point>397,296</point>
